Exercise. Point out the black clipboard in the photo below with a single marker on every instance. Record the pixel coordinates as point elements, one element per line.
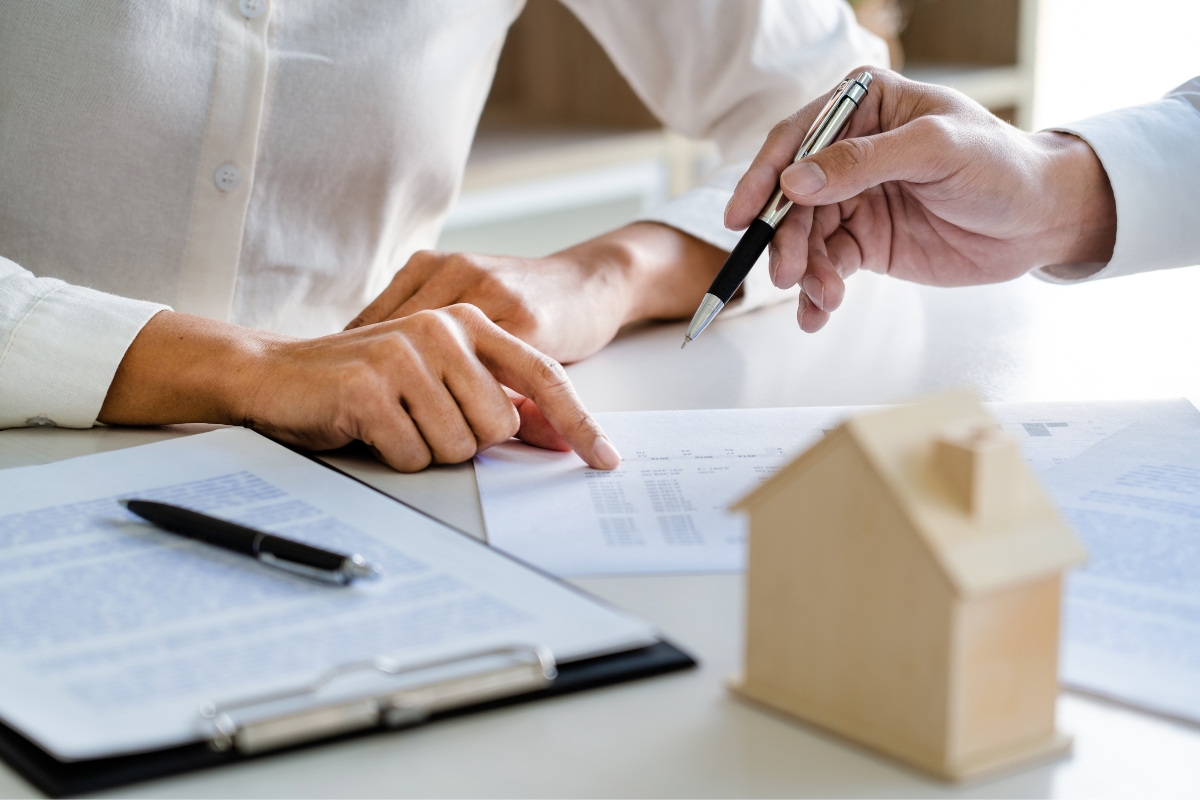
<point>68,778</point>
<point>63,779</point>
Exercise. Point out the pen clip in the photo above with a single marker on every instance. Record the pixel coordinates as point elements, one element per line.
<point>303,570</point>
<point>778,205</point>
<point>815,129</point>
<point>352,567</point>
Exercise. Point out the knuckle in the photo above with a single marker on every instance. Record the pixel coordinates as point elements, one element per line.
<point>457,450</point>
<point>465,317</point>
<point>412,325</point>
<point>791,233</point>
<point>851,154</point>
<point>932,128</point>
<point>429,323</point>
<point>466,312</point>
<point>386,351</point>
<point>784,126</point>
<point>358,382</point>
<point>391,363</point>
<point>411,459</point>
<point>420,258</point>
<point>511,425</point>
<point>400,447</point>
<point>497,428</point>
<point>549,373</point>
<point>461,263</point>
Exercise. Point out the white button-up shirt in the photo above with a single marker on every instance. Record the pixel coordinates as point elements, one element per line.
<point>1151,153</point>
<point>274,162</point>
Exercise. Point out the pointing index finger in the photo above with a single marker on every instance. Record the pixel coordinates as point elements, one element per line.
<point>543,380</point>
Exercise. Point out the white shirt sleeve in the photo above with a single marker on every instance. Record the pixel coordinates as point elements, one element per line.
<point>728,70</point>
<point>60,346</point>
<point>1151,153</point>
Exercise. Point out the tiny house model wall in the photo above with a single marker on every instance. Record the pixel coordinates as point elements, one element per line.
<point>904,589</point>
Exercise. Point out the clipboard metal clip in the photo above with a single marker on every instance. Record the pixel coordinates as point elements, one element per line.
<point>284,718</point>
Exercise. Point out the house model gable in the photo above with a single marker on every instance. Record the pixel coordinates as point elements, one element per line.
<point>1023,538</point>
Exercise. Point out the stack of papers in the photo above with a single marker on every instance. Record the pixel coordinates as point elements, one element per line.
<point>1126,476</point>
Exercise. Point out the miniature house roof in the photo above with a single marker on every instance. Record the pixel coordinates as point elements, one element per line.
<point>1023,540</point>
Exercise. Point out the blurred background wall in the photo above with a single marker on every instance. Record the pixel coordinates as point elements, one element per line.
<point>565,150</point>
<point>1097,55</point>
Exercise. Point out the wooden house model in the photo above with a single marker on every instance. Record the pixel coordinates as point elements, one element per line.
<point>904,590</point>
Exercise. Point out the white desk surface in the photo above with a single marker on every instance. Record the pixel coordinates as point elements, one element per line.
<point>682,734</point>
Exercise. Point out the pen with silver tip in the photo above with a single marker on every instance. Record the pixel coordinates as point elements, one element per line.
<point>826,129</point>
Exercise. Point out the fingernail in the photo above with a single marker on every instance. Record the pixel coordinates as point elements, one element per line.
<point>728,205</point>
<point>803,178</point>
<point>815,290</point>
<point>804,301</point>
<point>606,453</point>
<point>773,262</point>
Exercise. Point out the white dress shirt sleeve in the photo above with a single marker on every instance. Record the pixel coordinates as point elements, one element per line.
<point>1151,153</point>
<point>60,346</point>
<point>728,70</point>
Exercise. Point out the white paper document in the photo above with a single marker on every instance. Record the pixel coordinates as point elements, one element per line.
<point>1131,627</point>
<point>665,509</point>
<point>113,633</point>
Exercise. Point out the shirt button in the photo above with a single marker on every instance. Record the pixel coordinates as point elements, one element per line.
<point>227,177</point>
<point>252,9</point>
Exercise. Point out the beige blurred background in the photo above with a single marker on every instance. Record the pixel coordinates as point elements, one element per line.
<point>565,149</point>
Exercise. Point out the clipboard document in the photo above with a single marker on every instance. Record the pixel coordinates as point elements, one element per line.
<point>665,509</point>
<point>1131,628</point>
<point>114,635</point>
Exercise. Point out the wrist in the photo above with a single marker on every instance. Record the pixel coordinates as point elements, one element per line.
<point>611,274</point>
<point>655,271</point>
<point>182,368</point>
<point>237,372</point>
<point>1083,208</point>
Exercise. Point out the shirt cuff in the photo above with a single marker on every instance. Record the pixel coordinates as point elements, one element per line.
<point>700,212</point>
<point>1150,155</point>
<point>61,346</point>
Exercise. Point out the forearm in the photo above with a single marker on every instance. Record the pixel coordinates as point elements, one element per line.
<point>183,368</point>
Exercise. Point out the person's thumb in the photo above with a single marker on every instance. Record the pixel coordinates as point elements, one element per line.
<point>915,152</point>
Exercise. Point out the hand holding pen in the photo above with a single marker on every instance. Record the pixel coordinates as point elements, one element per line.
<point>925,185</point>
<point>826,128</point>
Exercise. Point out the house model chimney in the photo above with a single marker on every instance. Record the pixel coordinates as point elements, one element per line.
<point>980,465</point>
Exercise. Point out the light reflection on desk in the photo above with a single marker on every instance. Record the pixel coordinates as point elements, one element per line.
<point>1136,337</point>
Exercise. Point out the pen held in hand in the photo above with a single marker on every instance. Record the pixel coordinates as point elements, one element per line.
<point>276,551</point>
<point>826,129</point>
